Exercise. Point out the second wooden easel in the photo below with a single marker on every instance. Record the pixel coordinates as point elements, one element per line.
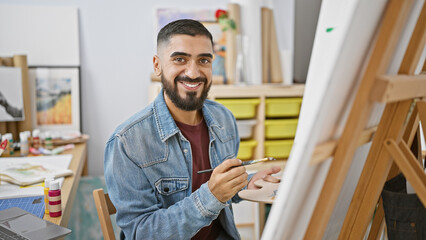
<point>394,134</point>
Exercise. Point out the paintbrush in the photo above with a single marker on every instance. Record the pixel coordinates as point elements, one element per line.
<point>245,163</point>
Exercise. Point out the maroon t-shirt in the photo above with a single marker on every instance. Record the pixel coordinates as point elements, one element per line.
<point>198,137</point>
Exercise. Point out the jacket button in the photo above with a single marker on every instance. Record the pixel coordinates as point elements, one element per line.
<point>166,189</point>
<point>185,150</point>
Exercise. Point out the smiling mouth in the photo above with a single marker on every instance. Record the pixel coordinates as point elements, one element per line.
<point>191,85</point>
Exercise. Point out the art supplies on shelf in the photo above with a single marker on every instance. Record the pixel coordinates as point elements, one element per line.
<point>56,150</point>
<point>24,144</point>
<point>3,146</point>
<point>78,139</point>
<point>56,138</point>
<point>8,149</point>
<point>36,142</point>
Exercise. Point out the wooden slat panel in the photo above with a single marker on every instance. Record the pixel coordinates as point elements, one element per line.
<point>21,61</point>
<point>266,35</point>
<point>325,150</point>
<point>231,43</point>
<point>274,53</point>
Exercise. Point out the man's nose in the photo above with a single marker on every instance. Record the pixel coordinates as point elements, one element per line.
<point>192,70</point>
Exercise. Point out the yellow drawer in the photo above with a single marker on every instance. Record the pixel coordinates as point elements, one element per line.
<point>280,128</point>
<point>246,149</point>
<point>278,148</point>
<point>282,107</point>
<point>242,108</point>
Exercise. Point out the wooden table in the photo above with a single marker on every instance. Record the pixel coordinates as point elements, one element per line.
<point>69,188</point>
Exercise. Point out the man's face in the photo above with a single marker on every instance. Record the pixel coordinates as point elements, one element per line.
<point>186,70</point>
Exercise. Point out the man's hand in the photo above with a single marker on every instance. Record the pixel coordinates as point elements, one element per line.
<point>265,175</point>
<point>227,179</point>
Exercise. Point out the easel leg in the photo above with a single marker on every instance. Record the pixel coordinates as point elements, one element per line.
<point>421,108</point>
<point>375,172</point>
<point>376,226</point>
<point>411,131</point>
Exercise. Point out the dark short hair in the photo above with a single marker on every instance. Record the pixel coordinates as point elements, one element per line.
<point>182,26</point>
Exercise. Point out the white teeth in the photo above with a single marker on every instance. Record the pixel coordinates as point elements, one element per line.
<point>191,85</point>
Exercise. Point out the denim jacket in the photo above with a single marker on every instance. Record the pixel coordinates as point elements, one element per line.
<point>148,172</point>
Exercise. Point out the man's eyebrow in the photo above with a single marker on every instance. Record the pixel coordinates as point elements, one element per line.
<point>209,55</point>
<point>174,54</point>
<point>180,54</point>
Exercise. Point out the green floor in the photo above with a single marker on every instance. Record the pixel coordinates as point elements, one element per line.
<point>84,221</point>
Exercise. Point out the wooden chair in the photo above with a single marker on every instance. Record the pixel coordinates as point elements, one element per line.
<point>105,208</point>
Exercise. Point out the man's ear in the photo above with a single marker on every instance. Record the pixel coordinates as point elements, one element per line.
<point>157,65</point>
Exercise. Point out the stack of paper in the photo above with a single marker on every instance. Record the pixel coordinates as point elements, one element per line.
<point>18,173</point>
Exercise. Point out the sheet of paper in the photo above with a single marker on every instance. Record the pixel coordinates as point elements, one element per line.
<point>8,190</point>
<point>31,172</point>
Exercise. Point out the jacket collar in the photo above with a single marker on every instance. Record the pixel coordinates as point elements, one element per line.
<point>166,125</point>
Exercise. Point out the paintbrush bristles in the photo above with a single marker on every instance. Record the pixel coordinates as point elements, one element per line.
<point>257,161</point>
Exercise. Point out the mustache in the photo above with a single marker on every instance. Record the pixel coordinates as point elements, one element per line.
<point>191,80</point>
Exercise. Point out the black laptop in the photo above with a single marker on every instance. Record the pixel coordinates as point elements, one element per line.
<point>20,224</point>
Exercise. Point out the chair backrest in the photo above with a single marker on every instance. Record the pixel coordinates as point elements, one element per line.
<point>105,208</point>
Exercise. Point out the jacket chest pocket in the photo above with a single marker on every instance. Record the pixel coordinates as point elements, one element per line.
<point>169,186</point>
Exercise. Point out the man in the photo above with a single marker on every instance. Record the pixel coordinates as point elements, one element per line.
<point>151,161</point>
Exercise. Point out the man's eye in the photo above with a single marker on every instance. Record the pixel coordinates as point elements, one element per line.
<point>204,61</point>
<point>179,60</point>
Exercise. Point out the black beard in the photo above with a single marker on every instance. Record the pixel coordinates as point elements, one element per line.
<point>191,102</point>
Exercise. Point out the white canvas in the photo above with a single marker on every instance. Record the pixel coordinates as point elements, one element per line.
<point>49,36</point>
<point>344,35</point>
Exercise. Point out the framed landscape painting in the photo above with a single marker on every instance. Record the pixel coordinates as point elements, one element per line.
<point>55,98</point>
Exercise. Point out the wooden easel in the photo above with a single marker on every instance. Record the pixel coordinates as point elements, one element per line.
<point>394,134</point>
<point>26,125</point>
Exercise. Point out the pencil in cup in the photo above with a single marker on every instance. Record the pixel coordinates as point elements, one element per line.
<point>245,163</point>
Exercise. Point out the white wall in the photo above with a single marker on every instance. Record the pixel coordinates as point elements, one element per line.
<point>306,17</point>
<point>116,49</point>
